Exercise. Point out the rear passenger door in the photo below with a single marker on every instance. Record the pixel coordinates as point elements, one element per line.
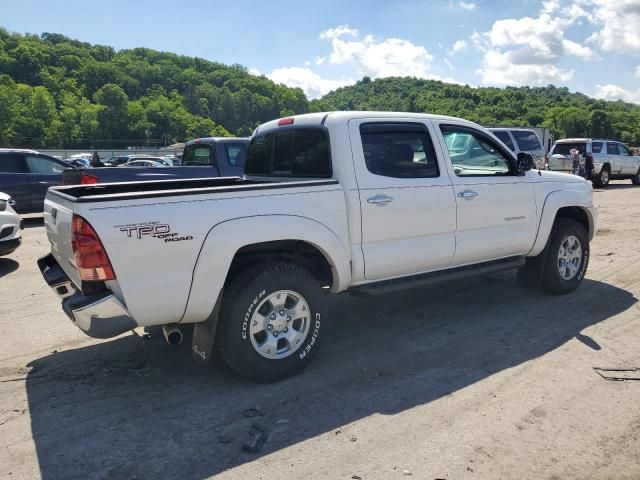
<point>44,172</point>
<point>496,208</point>
<point>614,158</point>
<point>407,204</point>
<point>14,179</point>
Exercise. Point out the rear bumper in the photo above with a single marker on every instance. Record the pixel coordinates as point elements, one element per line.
<point>100,315</point>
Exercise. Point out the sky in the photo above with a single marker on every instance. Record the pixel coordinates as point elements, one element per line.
<point>590,46</point>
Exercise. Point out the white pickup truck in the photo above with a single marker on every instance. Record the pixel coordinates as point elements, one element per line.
<point>359,201</point>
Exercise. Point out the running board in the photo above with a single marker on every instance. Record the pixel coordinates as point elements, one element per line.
<point>386,286</point>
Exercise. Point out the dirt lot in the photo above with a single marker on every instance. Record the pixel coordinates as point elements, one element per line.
<point>476,379</point>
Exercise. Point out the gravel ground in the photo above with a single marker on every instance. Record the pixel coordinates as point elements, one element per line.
<point>473,379</point>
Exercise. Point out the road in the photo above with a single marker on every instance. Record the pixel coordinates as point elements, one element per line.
<point>473,379</point>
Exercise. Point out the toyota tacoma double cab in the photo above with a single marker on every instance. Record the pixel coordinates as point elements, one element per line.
<point>363,201</point>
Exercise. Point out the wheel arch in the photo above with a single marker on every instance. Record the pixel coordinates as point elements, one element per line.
<point>564,204</point>
<point>235,243</point>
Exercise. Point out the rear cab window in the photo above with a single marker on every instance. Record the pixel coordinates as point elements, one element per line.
<point>527,140</point>
<point>290,152</point>
<point>199,155</point>
<point>505,138</point>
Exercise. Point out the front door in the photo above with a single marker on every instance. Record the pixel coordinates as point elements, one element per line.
<point>496,208</point>
<point>407,204</point>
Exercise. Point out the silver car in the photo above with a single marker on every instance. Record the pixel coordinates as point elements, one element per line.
<point>612,160</point>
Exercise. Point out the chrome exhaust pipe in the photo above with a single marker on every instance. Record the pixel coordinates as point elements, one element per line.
<point>172,334</point>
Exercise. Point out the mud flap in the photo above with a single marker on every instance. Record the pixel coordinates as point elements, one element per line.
<point>530,276</point>
<point>204,334</point>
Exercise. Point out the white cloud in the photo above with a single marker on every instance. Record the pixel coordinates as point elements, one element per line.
<point>468,6</point>
<point>528,50</point>
<point>618,21</point>
<point>615,92</point>
<point>457,46</point>
<point>313,84</point>
<point>255,71</point>
<point>637,72</point>
<point>377,58</point>
<point>363,56</point>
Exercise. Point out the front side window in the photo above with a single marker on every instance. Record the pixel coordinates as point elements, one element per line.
<point>480,156</point>
<point>12,163</point>
<point>623,150</point>
<point>236,154</point>
<point>505,138</point>
<point>527,140</point>
<point>199,155</point>
<point>43,166</point>
<point>398,150</point>
<point>294,152</point>
<point>596,147</point>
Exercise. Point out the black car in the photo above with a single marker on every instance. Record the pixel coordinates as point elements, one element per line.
<point>26,175</point>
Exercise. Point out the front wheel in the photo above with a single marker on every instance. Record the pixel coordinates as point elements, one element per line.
<point>271,320</point>
<point>567,257</point>
<point>636,178</point>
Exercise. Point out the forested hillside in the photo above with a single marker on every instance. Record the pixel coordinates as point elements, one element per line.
<point>567,114</point>
<point>58,92</point>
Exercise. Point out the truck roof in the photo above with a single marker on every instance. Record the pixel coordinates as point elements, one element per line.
<point>321,118</point>
<point>217,139</point>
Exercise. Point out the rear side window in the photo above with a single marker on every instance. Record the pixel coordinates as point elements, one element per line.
<point>199,155</point>
<point>596,147</point>
<point>527,140</point>
<point>236,153</point>
<point>43,166</point>
<point>398,150</point>
<point>612,148</point>
<point>565,148</point>
<point>299,152</point>
<point>12,163</point>
<point>505,138</point>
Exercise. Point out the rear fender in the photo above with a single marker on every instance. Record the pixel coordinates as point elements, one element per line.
<point>226,238</point>
<point>554,202</point>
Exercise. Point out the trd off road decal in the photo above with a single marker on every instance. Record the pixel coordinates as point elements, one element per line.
<point>152,230</point>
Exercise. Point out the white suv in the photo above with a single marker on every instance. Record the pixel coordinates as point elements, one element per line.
<point>612,160</point>
<point>10,225</point>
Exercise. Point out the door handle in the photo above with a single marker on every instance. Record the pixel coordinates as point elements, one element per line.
<point>467,194</point>
<point>380,199</point>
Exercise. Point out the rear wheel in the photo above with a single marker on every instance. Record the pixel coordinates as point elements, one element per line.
<point>567,257</point>
<point>602,179</point>
<point>636,178</point>
<point>271,320</point>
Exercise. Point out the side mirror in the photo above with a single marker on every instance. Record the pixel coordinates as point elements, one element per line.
<point>524,162</point>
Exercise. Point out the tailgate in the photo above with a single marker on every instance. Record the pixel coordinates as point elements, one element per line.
<point>58,212</point>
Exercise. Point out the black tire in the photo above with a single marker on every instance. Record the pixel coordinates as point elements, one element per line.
<point>552,280</point>
<point>636,178</point>
<point>243,296</point>
<point>602,179</point>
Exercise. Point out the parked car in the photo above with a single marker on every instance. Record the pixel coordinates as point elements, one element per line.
<point>78,162</point>
<point>522,140</point>
<point>204,157</point>
<point>612,160</point>
<point>364,201</point>
<point>25,175</point>
<point>144,162</point>
<point>10,226</point>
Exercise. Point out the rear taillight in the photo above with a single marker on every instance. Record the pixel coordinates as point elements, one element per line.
<point>92,260</point>
<point>88,179</point>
